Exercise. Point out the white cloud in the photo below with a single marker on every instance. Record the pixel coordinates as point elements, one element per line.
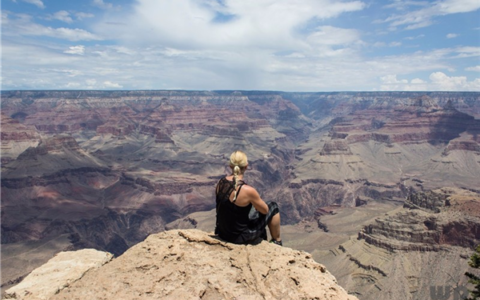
<point>63,33</point>
<point>391,83</point>
<point>415,37</point>
<point>108,84</point>
<point>22,25</point>
<point>90,83</point>
<point>451,35</point>
<point>102,4</point>
<point>125,50</point>
<point>82,15</point>
<point>72,85</point>
<point>392,79</point>
<point>79,50</point>
<point>474,69</point>
<point>417,81</point>
<point>464,52</point>
<point>331,36</point>
<point>457,6</point>
<point>254,23</point>
<point>128,67</point>
<point>210,44</point>
<point>439,81</point>
<point>404,5</point>
<point>423,17</point>
<point>63,16</point>
<point>246,49</point>
<point>38,3</point>
<point>442,82</point>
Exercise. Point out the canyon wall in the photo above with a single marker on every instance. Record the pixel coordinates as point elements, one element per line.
<point>106,169</point>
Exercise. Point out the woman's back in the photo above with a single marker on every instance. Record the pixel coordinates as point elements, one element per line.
<point>232,219</point>
<point>234,205</point>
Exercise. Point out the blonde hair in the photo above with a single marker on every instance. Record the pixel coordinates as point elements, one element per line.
<point>238,163</point>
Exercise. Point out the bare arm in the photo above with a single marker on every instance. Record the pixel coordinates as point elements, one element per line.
<point>256,201</point>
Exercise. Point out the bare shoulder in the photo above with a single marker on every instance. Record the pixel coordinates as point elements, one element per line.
<point>256,200</point>
<point>250,190</point>
<point>248,187</point>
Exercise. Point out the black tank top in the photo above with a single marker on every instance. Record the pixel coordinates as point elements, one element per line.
<point>232,220</point>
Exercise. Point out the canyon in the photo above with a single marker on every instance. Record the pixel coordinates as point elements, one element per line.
<point>105,169</point>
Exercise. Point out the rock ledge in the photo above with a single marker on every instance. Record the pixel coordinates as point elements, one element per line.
<point>192,264</point>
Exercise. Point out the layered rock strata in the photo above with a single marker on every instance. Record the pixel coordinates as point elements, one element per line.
<point>429,221</point>
<point>15,138</point>
<point>128,163</point>
<point>421,121</point>
<point>411,251</point>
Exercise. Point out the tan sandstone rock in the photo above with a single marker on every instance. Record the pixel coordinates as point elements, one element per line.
<point>192,264</point>
<point>58,273</point>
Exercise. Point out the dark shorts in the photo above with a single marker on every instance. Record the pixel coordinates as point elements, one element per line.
<point>256,227</point>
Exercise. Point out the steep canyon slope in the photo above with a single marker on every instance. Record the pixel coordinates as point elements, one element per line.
<point>105,169</point>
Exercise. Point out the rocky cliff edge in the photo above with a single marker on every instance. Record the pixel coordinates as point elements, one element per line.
<point>186,264</point>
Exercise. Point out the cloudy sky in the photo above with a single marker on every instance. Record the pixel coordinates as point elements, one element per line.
<point>283,45</point>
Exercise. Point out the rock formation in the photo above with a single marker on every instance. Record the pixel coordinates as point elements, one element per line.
<point>430,221</point>
<point>412,249</point>
<point>58,273</point>
<point>187,264</point>
<point>411,121</point>
<point>15,138</point>
<point>105,169</point>
<point>381,147</point>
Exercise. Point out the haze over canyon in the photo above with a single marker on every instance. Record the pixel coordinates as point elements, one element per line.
<point>382,187</point>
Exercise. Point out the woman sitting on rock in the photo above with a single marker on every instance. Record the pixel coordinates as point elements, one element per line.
<point>234,201</point>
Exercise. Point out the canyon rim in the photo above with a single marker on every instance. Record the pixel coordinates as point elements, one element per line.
<point>104,169</point>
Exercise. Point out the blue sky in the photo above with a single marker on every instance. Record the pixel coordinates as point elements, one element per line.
<point>283,45</point>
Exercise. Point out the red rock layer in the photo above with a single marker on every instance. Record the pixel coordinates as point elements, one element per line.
<point>414,122</point>
<point>13,130</point>
<point>122,116</point>
<point>430,221</point>
<point>336,147</point>
<point>13,134</point>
